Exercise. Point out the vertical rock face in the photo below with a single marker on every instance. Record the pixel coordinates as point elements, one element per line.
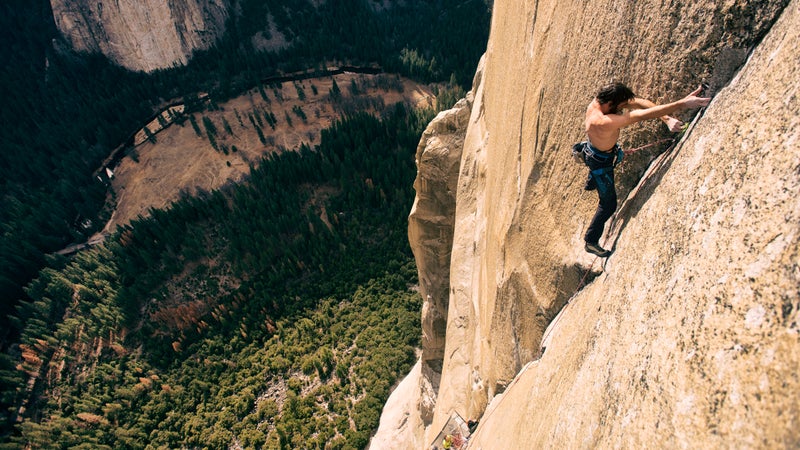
<point>691,336</point>
<point>430,232</point>
<point>141,35</point>
<point>410,408</point>
<point>688,335</point>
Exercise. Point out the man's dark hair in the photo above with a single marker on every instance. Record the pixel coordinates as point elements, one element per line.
<point>616,93</point>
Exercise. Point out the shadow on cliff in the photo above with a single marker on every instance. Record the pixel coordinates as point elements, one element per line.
<point>573,278</point>
<point>639,196</point>
<point>727,65</point>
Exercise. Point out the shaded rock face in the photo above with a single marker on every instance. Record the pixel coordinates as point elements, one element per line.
<point>688,335</point>
<point>142,35</point>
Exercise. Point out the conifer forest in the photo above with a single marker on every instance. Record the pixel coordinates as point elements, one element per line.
<point>274,313</point>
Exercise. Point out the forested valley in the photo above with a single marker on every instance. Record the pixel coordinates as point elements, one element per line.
<point>276,313</point>
<point>65,113</point>
<point>174,334</point>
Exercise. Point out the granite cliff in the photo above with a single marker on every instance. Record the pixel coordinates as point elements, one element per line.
<point>688,335</point>
<point>141,35</point>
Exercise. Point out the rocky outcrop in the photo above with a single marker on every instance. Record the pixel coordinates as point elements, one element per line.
<point>141,35</point>
<point>688,335</point>
<point>430,231</point>
<point>401,425</point>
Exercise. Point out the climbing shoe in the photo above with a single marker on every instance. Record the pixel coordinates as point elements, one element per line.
<point>595,249</point>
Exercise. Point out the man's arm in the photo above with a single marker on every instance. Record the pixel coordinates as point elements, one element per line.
<point>690,101</point>
<point>672,123</point>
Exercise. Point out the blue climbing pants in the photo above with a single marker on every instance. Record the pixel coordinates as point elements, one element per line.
<point>601,170</point>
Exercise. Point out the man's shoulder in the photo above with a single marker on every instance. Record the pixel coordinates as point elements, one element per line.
<point>600,121</point>
<point>612,121</point>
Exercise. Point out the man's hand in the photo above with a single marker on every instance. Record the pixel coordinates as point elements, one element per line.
<point>673,124</point>
<point>693,101</point>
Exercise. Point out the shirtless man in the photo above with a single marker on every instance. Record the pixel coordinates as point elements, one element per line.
<point>604,119</point>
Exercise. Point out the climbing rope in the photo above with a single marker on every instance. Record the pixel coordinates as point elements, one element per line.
<point>652,144</point>
<point>672,140</point>
<point>551,325</point>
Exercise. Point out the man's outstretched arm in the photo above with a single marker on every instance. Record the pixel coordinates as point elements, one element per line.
<point>672,123</point>
<point>690,101</point>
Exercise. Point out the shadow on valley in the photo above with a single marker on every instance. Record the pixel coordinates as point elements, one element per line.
<point>71,110</point>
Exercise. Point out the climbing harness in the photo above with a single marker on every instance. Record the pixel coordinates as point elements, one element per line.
<point>584,150</point>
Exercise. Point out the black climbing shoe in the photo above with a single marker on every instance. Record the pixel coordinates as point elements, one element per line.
<point>597,250</point>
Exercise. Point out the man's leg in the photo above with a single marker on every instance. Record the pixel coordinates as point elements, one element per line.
<point>605,209</point>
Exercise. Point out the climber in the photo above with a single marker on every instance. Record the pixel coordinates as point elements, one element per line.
<point>447,442</point>
<point>604,118</point>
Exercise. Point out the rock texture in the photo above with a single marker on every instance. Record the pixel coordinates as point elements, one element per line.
<point>688,335</point>
<point>142,35</point>
<point>690,338</point>
<point>401,424</point>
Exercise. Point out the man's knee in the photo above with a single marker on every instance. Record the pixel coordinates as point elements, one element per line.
<point>608,198</point>
<point>609,203</point>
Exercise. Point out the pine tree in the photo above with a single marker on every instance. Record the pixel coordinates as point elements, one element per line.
<point>335,93</point>
<point>151,138</point>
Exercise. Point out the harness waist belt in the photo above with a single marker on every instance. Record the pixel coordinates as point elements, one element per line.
<point>591,150</point>
<point>601,157</point>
